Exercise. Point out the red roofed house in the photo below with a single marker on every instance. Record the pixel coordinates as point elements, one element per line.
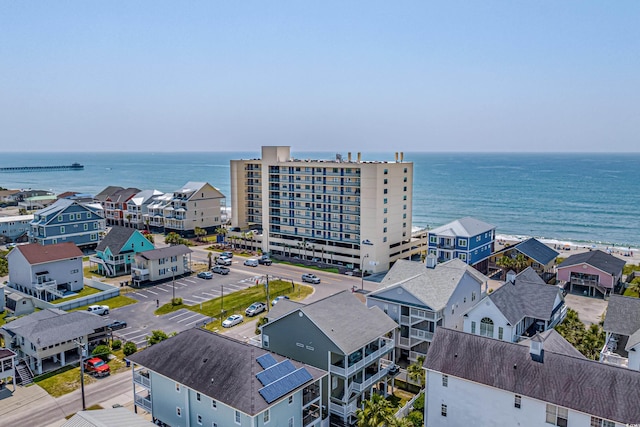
<point>46,272</point>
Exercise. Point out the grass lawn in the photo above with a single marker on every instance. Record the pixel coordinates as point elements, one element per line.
<point>238,301</point>
<point>630,293</point>
<point>87,290</point>
<point>115,302</point>
<point>399,398</point>
<point>312,267</point>
<point>88,272</point>
<point>628,268</point>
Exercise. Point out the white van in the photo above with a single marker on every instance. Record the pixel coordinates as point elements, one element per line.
<point>252,262</point>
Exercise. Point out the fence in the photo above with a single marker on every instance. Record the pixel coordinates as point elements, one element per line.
<point>106,291</point>
<point>408,407</point>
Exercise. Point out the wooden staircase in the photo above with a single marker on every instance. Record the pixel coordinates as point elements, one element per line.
<point>25,376</point>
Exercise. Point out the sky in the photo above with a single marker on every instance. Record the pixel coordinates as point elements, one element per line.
<point>434,76</point>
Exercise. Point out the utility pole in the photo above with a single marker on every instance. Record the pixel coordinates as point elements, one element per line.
<point>173,285</point>
<point>82,350</point>
<point>267,285</point>
<point>221,298</point>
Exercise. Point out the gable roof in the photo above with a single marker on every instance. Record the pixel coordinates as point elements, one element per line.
<point>167,252</point>
<point>39,254</point>
<point>432,286</point>
<point>554,342</point>
<point>526,296</point>
<point>577,383</point>
<point>58,206</point>
<point>110,417</point>
<point>283,307</point>
<point>144,196</point>
<point>123,195</point>
<point>464,227</point>
<point>102,196</point>
<point>536,250</point>
<point>623,315</point>
<point>215,365</point>
<point>51,326</point>
<point>115,239</point>
<point>193,186</point>
<point>598,259</point>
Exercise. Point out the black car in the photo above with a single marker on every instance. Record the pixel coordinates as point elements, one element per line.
<point>265,260</point>
<point>117,325</point>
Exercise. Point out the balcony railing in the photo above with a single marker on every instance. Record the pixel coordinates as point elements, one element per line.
<point>404,320</point>
<point>142,378</point>
<point>420,334</point>
<point>143,402</point>
<point>413,355</point>
<point>404,342</point>
<point>369,381</point>
<point>419,315</point>
<point>343,410</point>
<point>310,393</point>
<point>385,347</point>
<point>311,416</point>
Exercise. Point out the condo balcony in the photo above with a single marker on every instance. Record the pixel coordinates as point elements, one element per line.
<point>141,377</point>
<point>143,402</point>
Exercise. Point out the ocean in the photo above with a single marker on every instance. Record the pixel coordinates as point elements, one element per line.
<point>581,198</point>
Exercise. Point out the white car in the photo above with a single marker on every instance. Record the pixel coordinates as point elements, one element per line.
<point>232,320</point>
<point>224,261</point>
<point>98,309</point>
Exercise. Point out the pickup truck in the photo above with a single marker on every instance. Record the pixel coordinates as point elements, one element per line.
<point>224,261</point>
<point>97,367</point>
<point>264,259</point>
<point>98,309</point>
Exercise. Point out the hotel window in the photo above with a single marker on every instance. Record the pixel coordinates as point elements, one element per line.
<point>385,200</point>
<point>443,410</point>
<point>405,179</point>
<point>518,401</point>
<point>404,197</point>
<point>384,230</point>
<point>445,380</point>
<point>386,171</point>
<point>199,419</point>
<point>404,216</point>
<point>473,327</point>
<point>405,188</point>
<point>500,333</point>
<point>265,416</point>
<point>237,417</point>
<point>404,207</point>
<point>384,239</point>
<point>599,422</point>
<point>385,210</point>
<point>384,220</point>
<point>557,415</point>
<point>385,181</point>
<point>405,170</point>
<point>385,191</point>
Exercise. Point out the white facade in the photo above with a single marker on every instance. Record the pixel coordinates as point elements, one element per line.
<point>327,209</point>
<point>471,404</point>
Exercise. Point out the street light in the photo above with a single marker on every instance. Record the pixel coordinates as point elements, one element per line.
<point>362,271</point>
<point>82,355</point>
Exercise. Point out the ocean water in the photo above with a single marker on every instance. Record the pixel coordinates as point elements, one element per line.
<point>581,198</point>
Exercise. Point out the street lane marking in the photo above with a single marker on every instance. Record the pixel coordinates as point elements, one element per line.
<point>190,301</point>
<point>161,289</point>
<point>196,296</point>
<point>209,295</point>
<point>190,281</point>
<point>142,295</point>
<point>179,315</point>
<point>151,292</point>
<point>196,321</point>
<point>187,318</point>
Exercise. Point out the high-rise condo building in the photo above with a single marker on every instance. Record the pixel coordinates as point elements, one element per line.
<point>341,211</point>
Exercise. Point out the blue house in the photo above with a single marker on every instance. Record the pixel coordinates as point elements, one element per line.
<point>467,239</point>
<point>68,221</point>
<point>116,252</point>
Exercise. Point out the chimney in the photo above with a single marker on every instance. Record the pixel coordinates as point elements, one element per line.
<point>349,156</point>
<point>396,157</point>
<point>431,261</point>
<point>511,276</point>
<point>536,348</point>
<point>401,156</point>
<point>359,157</point>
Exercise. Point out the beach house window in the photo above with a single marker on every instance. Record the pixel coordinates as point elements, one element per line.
<point>500,333</point>
<point>199,419</point>
<point>214,404</point>
<point>433,239</point>
<point>473,296</point>
<point>462,243</point>
<point>94,236</point>
<point>463,257</point>
<point>62,229</point>
<point>198,397</point>
<point>237,417</point>
<point>59,218</point>
<point>178,387</point>
<point>95,225</point>
<point>178,411</point>
<point>557,415</point>
<point>290,399</point>
<point>443,410</point>
<point>86,227</point>
<point>445,380</point>
<point>265,340</point>
<point>265,416</point>
<point>486,327</point>
<point>517,402</point>
<point>599,422</point>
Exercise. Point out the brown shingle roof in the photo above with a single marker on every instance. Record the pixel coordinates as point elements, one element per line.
<point>38,254</point>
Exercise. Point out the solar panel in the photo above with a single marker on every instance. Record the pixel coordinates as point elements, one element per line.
<point>284,385</point>
<point>275,372</point>
<point>266,361</point>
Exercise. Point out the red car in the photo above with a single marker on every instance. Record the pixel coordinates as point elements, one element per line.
<point>97,367</point>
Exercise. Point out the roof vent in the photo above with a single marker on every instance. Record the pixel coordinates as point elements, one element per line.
<point>511,276</point>
<point>536,348</point>
<point>431,261</point>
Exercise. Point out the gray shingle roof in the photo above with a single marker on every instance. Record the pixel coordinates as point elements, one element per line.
<point>215,365</point>
<point>464,227</point>
<point>537,251</point>
<point>102,196</point>
<point>167,252</point>
<point>52,326</point>
<point>123,195</point>
<point>555,343</point>
<point>584,385</point>
<point>283,307</point>
<point>600,260</point>
<point>111,417</point>
<point>433,286</point>
<point>527,296</point>
<point>623,315</point>
<point>115,239</point>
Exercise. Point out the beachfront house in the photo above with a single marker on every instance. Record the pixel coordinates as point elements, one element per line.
<point>138,208</point>
<point>200,378</point>
<point>196,204</point>
<point>161,264</point>
<point>116,252</point>
<point>117,416</point>
<point>622,326</point>
<point>7,367</point>
<point>467,239</point>
<point>422,298</point>
<point>14,228</point>
<point>115,206</point>
<point>479,381</point>
<point>591,271</point>
<point>46,272</point>
<point>540,257</point>
<point>68,221</point>
<point>338,334</point>
<point>518,309</point>
<point>49,339</point>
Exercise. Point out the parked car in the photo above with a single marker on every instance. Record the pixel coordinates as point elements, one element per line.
<point>118,324</point>
<point>255,308</point>
<point>98,309</point>
<point>280,298</point>
<point>251,262</point>
<point>220,269</point>
<point>205,275</point>
<point>223,260</point>
<point>265,260</point>
<point>310,278</point>
<point>227,254</point>
<point>97,367</point>
<point>232,320</point>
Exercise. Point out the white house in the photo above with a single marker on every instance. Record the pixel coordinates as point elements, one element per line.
<point>421,298</point>
<point>524,305</point>
<point>46,272</point>
<point>479,381</point>
<point>161,264</point>
<point>7,366</point>
<point>622,325</point>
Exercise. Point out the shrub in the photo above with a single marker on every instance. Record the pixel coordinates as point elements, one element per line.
<point>416,418</point>
<point>418,404</point>
<point>261,321</point>
<point>156,337</point>
<point>176,301</point>
<point>129,348</point>
<point>116,345</point>
<point>102,351</point>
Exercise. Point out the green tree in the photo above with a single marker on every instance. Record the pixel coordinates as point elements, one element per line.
<point>129,348</point>
<point>149,237</point>
<point>4,265</point>
<point>416,372</point>
<point>506,263</point>
<point>209,256</point>
<point>116,345</point>
<point>200,233</point>
<point>588,341</point>
<point>376,412</point>
<point>156,337</point>
<point>520,263</point>
<point>173,239</point>
<point>129,216</point>
<point>403,422</point>
<point>634,286</point>
<point>416,418</point>
<point>102,351</point>
<point>223,232</point>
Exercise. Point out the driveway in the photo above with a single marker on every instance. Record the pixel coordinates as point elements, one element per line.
<point>589,309</point>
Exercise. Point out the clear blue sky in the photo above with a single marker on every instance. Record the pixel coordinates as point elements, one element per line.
<point>541,75</point>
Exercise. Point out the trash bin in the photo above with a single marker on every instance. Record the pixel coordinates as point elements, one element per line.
<point>128,362</point>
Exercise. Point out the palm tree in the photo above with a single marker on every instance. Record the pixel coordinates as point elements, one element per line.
<point>173,239</point>
<point>146,222</point>
<point>129,216</point>
<point>376,412</point>
<point>199,232</point>
<point>416,372</point>
<point>505,263</point>
<point>222,231</point>
<point>209,259</point>
<point>520,263</point>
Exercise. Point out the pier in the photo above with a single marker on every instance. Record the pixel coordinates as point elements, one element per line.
<point>71,167</point>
